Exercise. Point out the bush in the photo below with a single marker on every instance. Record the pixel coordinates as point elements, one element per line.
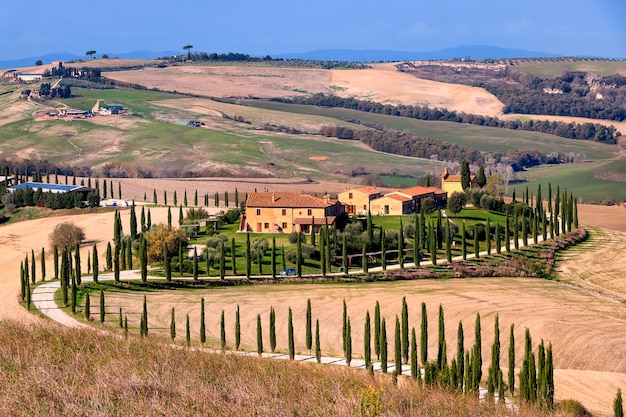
<point>158,236</point>
<point>195,214</point>
<point>456,202</point>
<point>216,240</point>
<point>310,252</point>
<point>66,235</point>
<point>231,216</point>
<point>293,237</point>
<point>428,205</point>
<point>291,255</point>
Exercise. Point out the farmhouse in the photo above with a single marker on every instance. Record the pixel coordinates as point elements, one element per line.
<point>30,77</point>
<point>392,204</point>
<point>278,212</point>
<point>452,183</point>
<point>357,200</point>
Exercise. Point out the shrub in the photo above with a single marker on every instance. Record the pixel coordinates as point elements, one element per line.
<point>195,214</point>
<point>216,240</point>
<point>310,252</point>
<point>161,234</point>
<point>231,216</point>
<point>66,235</point>
<point>428,205</point>
<point>456,202</point>
<point>293,237</point>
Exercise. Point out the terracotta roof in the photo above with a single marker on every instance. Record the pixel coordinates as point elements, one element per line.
<point>395,197</point>
<point>286,199</point>
<point>366,189</point>
<point>457,178</point>
<point>415,191</point>
<point>437,190</point>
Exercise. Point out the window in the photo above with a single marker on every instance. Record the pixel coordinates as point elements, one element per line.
<point>350,196</point>
<point>258,212</point>
<point>284,226</point>
<point>284,212</point>
<point>266,225</point>
<point>309,212</point>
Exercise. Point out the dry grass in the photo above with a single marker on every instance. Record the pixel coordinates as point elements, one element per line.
<point>47,371</point>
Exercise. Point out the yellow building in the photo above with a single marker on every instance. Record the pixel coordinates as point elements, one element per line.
<point>392,204</point>
<point>278,212</point>
<point>452,183</point>
<point>357,200</point>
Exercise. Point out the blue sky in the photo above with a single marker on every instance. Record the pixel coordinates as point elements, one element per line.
<point>567,27</point>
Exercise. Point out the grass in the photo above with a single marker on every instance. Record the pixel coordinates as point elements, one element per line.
<point>553,69</point>
<point>60,372</point>
<point>580,179</point>
<point>482,138</point>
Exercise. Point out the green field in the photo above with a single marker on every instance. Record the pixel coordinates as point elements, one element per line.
<point>579,179</point>
<point>552,69</point>
<point>482,138</point>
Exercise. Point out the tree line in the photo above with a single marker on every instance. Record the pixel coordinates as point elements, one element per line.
<point>566,130</point>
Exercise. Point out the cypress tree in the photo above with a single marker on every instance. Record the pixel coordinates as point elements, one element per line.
<point>33,266</point>
<point>22,282</point>
<point>511,375</point>
<point>515,229</point>
<point>405,331</point>
<point>299,257</point>
<point>507,234</point>
<point>195,198</point>
<point>344,254</point>
<point>248,256</point>
<point>202,323</point>
<point>433,246</point>
<point>309,324</point>
<point>401,246</point>
<point>129,254</point>
<point>273,254</point>
<point>416,243</point>
<point>236,198</point>
<point>187,331</point>
<point>441,360</point>
<point>154,196</point>
<point>318,351</point>
<point>145,316</point>
<point>524,229</point>
<point>283,262</point>
<point>313,231</point>
<point>55,255</point>
<point>364,259</point>
<point>478,348</point>
<point>448,243</point>
<point>323,244</point>
<point>87,307</point>
<point>133,222</point>
<point>180,259</point>
<point>348,343</point>
<point>94,263</point>
<point>259,335</point>
<point>618,408</point>
<point>116,262</point>
<point>344,327</point>
<point>169,217</point>
<point>414,366</point>
<point>383,346</point>
<point>43,264</point>
<point>222,261</point>
<point>173,325</point>
<point>223,332</point>
<point>460,350</point>
<point>272,329</point>
<point>73,300</point>
<point>123,255</point>
<point>237,329</point>
<point>28,295</point>
<point>397,348</point>
<point>185,199</point>
<point>367,338</point>
<point>463,245</point>
<point>149,221</point>
<point>542,386</point>
<point>377,330</point>
<point>226,198</point>
<point>383,249</point>
<point>488,236</point>
<point>424,336</point>
<point>498,239</point>
<point>143,258</point>
<point>195,264</point>
<point>549,399</point>
<point>102,309</point>
<point>175,198</point>
<point>292,349</point>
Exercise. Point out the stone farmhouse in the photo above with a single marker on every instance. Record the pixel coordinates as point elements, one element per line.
<point>452,183</point>
<point>358,200</point>
<point>278,212</point>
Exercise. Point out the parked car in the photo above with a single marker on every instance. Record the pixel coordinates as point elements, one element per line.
<point>289,272</point>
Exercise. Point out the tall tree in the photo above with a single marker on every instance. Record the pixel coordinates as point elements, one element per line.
<point>511,374</point>
<point>377,330</point>
<point>223,332</point>
<point>173,324</point>
<point>309,325</point>
<point>405,331</point>
<point>272,329</point>
<point>318,350</point>
<point>237,328</point>
<point>348,343</point>
<point>424,336</point>
<point>397,357</point>
<point>465,175</point>
<point>202,322</point>
<point>367,339</point>
<point>102,308</point>
<point>87,307</point>
<point>618,408</point>
<point>415,371</point>
<point>460,350</point>
<point>292,349</point>
<point>481,178</point>
<point>259,335</point>
<point>383,346</point>
<point>441,359</point>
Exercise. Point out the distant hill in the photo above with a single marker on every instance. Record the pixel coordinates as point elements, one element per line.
<point>477,52</point>
<point>67,56</point>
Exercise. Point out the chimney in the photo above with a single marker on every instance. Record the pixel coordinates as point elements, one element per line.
<point>273,198</point>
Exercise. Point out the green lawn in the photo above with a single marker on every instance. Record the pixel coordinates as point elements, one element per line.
<point>579,179</point>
